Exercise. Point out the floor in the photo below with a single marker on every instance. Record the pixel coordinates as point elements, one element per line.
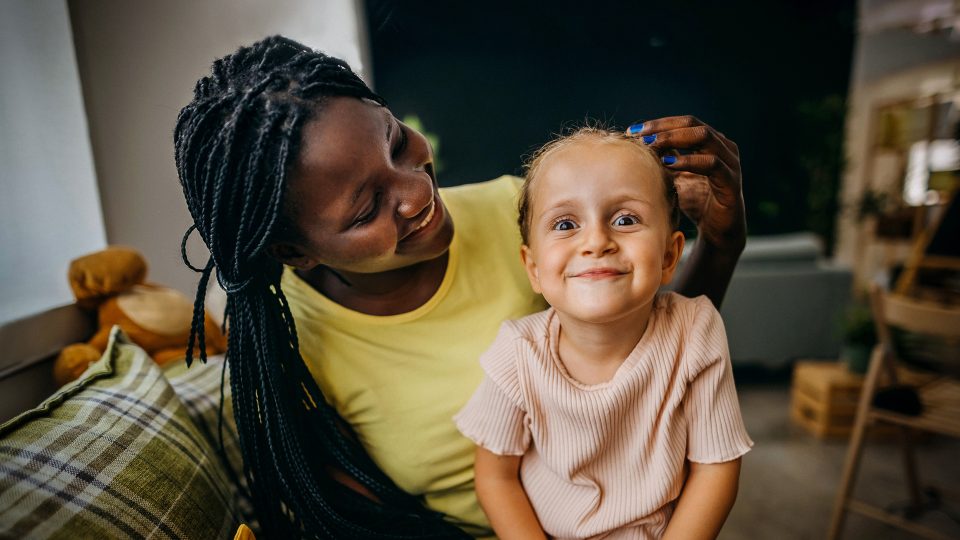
<point>789,480</point>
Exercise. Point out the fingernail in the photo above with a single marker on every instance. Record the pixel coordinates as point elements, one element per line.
<point>635,128</point>
<point>669,160</point>
<point>648,139</point>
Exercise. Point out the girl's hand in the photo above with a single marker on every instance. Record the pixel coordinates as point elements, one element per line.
<point>706,169</point>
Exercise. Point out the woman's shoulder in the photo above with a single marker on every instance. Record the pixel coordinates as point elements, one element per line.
<point>485,224</point>
<point>500,193</point>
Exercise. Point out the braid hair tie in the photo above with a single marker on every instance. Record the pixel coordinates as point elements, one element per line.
<point>230,287</point>
<point>183,250</point>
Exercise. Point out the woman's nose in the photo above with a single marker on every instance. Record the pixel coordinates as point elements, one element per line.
<point>415,195</point>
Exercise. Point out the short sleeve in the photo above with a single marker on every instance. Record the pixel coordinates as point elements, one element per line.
<point>715,430</point>
<point>494,417</point>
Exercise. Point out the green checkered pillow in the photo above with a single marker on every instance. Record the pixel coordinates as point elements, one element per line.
<point>199,389</point>
<point>114,454</point>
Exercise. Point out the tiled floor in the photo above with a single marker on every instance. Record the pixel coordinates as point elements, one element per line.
<point>789,479</point>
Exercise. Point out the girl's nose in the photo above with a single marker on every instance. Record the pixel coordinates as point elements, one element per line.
<point>598,241</point>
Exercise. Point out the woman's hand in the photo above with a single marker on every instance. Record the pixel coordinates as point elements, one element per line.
<point>706,170</point>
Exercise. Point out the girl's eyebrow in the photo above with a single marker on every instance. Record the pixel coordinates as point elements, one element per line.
<point>630,197</point>
<point>563,203</point>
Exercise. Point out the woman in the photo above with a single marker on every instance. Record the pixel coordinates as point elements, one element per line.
<point>287,159</point>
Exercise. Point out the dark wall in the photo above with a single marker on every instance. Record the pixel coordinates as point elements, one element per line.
<point>495,79</point>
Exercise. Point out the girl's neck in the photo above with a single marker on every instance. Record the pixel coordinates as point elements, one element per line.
<point>383,293</point>
<point>592,352</point>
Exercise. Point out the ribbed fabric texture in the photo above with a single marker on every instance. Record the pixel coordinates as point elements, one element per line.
<point>607,460</point>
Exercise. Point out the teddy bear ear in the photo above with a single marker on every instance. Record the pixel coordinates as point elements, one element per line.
<point>105,272</point>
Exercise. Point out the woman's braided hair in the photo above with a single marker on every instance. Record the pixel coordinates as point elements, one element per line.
<point>236,143</point>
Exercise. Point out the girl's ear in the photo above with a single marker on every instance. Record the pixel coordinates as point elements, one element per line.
<point>671,257</point>
<point>291,255</point>
<point>526,256</point>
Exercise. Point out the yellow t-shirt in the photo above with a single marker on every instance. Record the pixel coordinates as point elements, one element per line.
<point>399,379</point>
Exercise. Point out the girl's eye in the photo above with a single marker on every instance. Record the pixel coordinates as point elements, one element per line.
<point>625,221</point>
<point>371,214</point>
<point>564,225</point>
<point>401,140</point>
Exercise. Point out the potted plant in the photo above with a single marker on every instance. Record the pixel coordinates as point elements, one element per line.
<point>859,337</point>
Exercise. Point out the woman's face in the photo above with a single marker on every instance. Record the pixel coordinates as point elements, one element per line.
<point>363,193</point>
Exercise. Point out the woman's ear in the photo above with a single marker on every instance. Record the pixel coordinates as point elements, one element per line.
<point>671,256</point>
<point>526,257</point>
<point>291,255</point>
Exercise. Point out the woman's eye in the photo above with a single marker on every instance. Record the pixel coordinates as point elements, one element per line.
<point>370,214</point>
<point>401,140</point>
<point>626,221</point>
<point>564,225</point>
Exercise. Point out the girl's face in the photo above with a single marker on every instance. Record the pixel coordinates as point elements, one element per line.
<point>600,241</point>
<point>363,193</point>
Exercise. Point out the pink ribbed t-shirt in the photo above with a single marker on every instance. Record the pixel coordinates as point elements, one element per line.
<point>607,460</point>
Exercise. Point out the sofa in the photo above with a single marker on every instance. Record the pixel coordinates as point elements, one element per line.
<point>785,302</point>
<point>129,450</point>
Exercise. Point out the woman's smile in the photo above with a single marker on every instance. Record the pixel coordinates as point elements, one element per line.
<point>434,216</point>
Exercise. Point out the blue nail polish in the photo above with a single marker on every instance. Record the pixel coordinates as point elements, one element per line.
<point>669,160</point>
<point>648,139</point>
<point>635,128</point>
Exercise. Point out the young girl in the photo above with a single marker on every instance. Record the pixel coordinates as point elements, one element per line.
<point>612,414</point>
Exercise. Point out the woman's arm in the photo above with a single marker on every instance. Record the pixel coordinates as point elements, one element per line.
<point>502,497</point>
<point>706,499</point>
<point>707,271</point>
<point>706,170</point>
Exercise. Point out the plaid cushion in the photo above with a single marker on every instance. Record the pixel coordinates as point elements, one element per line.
<point>199,390</point>
<point>113,455</point>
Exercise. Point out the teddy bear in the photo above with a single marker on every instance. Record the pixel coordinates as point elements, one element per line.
<point>112,282</point>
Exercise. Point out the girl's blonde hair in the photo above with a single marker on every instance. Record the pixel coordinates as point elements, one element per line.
<point>535,161</point>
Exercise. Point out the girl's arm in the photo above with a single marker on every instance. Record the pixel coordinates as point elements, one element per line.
<point>706,499</point>
<point>502,497</point>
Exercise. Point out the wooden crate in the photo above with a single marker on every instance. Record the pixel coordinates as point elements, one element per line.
<point>824,397</point>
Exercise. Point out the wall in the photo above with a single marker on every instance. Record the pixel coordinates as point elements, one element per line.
<point>856,244</point>
<point>139,61</point>
<point>49,208</point>
<point>891,63</point>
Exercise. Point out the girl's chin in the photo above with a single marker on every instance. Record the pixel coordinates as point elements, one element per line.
<point>596,313</point>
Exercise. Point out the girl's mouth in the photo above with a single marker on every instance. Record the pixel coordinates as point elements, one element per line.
<point>599,273</point>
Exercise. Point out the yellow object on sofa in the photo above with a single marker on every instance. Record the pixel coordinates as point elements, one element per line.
<point>156,318</point>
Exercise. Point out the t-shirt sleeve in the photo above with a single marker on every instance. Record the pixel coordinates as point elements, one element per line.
<point>715,430</point>
<point>494,417</point>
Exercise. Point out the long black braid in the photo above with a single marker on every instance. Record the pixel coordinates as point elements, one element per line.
<point>235,145</point>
